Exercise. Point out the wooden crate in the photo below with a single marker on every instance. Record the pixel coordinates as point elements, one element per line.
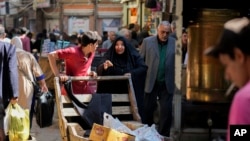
<point>124,107</point>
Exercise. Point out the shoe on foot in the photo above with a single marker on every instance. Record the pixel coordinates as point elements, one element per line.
<point>31,138</point>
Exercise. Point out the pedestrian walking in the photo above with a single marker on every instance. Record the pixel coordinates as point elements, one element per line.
<point>8,78</point>
<point>124,32</point>
<point>111,38</point>
<point>29,71</point>
<point>25,39</point>
<point>158,53</point>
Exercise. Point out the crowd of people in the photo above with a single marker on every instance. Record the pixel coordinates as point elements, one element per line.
<point>148,59</point>
<point>150,65</point>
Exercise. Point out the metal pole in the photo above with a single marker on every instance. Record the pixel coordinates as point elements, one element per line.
<point>61,16</point>
<point>140,15</point>
<point>95,13</point>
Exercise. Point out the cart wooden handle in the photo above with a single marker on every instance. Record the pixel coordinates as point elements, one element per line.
<point>100,78</point>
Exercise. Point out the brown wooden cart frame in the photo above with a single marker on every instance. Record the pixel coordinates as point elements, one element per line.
<point>71,130</point>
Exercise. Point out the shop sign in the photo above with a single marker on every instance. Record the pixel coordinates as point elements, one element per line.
<point>111,24</point>
<point>41,3</point>
<point>77,24</point>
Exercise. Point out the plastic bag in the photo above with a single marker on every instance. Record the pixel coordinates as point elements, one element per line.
<point>148,133</point>
<point>16,123</point>
<point>145,133</point>
<point>115,123</point>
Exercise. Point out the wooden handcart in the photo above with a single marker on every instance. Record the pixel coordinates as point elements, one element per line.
<point>126,110</point>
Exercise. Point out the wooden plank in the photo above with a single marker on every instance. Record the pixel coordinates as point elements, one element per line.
<point>87,98</point>
<point>118,110</point>
<point>76,132</point>
<point>120,98</point>
<point>69,112</point>
<point>121,110</point>
<point>62,121</point>
<point>80,97</point>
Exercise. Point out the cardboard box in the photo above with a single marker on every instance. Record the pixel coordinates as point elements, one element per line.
<point>101,133</point>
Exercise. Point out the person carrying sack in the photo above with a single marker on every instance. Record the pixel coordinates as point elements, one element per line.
<point>28,69</point>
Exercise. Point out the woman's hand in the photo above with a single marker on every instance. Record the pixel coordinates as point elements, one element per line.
<point>93,74</point>
<point>107,64</point>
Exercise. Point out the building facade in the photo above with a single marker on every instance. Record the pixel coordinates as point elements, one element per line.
<point>67,16</point>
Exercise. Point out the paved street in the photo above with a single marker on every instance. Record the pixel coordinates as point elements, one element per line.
<point>51,133</point>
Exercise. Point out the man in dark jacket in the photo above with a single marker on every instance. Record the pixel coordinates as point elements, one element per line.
<point>158,53</point>
<point>8,77</point>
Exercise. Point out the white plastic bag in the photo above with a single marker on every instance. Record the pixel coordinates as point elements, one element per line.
<point>147,133</point>
<point>144,133</point>
<point>6,121</point>
<point>110,122</point>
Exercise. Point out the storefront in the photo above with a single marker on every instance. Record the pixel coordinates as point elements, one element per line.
<point>152,17</point>
<point>82,17</point>
<point>132,12</point>
<point>109,20</point>
<point>136,12</point>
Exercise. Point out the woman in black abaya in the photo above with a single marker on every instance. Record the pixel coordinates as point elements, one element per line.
<point>123,59</point>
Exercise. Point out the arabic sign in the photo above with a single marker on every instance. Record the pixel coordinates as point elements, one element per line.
<point>77,24</point>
